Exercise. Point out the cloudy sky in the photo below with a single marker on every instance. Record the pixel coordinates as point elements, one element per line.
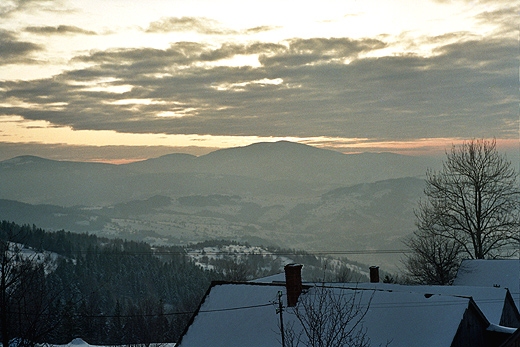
<point>122,80</point>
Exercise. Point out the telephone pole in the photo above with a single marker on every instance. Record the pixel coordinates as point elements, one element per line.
<point>279,310</point>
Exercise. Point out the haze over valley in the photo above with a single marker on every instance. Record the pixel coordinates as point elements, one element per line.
<point>284,194</point>
<point>173,91</point>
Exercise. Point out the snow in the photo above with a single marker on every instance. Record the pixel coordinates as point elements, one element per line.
<point>27,253</point>
<point>224,320</point>
<point>78,342</point>
<point>503,273</point>
<point>501,329</point>
<point>252,327</point>
<point>221,252</point>
<point>413,319</point>
<point>489,300</point>
<point>276,278</point>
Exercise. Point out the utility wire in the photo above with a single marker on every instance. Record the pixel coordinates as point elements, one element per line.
<point>283,253</point>
<point>379,305</point>
<point>79,315</point>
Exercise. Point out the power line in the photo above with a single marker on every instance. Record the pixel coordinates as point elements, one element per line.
<point>378,305</point>
<point>230,253</point>
<point>79,315</point>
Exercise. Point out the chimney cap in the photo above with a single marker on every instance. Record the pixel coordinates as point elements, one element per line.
<point>293,265</point>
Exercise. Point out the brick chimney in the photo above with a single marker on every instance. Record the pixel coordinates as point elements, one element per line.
<point>374,274</point>
<point>293,283</point>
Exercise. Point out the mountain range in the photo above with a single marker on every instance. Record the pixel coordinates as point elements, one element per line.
<point>281,193</point>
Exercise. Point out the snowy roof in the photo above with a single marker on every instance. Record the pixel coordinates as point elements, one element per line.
<point>244,314</point>
<point>490,300</point>
<point>236,315</point>
<point>491,273</point>
<point>280,278</point>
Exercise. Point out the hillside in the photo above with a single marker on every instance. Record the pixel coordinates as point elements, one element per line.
<point>288,161</point>
<point>282,193</point>
<point>281,169</point>
<point>117,292</point>
<point>361,217</point>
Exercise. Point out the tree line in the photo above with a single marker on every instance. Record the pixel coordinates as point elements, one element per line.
<point>56,286</point>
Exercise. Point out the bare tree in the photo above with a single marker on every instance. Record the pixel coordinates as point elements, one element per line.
<point>472,207</point>
<point>434,259</point>
<point>326,317</point>
<point>24,299</point>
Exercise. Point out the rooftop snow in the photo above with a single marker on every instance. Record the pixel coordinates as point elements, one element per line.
<point>491,273</point>
<point>489,300</point>
<point>245,315</point>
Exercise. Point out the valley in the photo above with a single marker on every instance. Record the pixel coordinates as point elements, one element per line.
<point>282,194</point>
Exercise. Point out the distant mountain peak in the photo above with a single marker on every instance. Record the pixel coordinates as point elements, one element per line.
<point>280,144</point>
<point>24,160</point>
<point>268,148</point>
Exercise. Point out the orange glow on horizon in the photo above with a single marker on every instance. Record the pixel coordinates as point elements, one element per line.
<point>17,130</point>
<point>413,147</point>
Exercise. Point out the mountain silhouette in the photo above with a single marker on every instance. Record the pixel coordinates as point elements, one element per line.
<point>268,168</point>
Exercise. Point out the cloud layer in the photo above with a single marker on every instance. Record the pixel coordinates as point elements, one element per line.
<point>13,50</point>
<point>467,86</point>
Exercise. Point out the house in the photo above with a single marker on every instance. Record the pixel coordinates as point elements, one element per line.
<point>495,303</point>
<point>499,273</point>
<point>247,314</point>
<point>513,340</point>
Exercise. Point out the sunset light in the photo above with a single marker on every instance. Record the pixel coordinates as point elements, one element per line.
<point>409,77</point>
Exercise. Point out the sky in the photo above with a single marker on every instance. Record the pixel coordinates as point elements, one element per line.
<point>118,81</point>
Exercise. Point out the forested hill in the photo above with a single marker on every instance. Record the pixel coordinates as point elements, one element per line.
<point>105,291</point>
<point>112,291</point>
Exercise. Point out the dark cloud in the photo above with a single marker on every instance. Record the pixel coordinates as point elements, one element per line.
<point>13,50</point>
<point>60,30</point>
<point>182,24</point>
<point>296,52</point>
<point>180,53</point>
<point>200,25</point>
<point>503,13</point>
<point>302,88</point>
<point>14,6</point>
<point>306,51</point>
<point>506,18</point>
<point>260,29</point>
